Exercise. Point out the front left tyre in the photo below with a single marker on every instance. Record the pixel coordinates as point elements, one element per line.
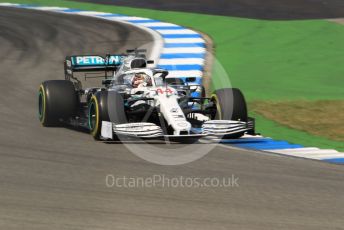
<point>230,105</point>
<point>57,102</point>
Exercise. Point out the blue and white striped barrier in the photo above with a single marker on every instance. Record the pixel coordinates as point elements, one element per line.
<point>286,148</point>
<point>182,52</point>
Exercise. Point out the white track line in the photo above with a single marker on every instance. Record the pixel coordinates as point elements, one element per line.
<point>306,152</point>
<point>128,18</point>
<point>179,31</point>
<point>92,13</point>
<point>188,73</point>
<point>49,8</point>
<point>8,4</point>
<point>297,150</point>
<point>183,50</point>
<point>310,152</point>
<point>157,24</point>
<point>182,61</point>
<point>184,40</point>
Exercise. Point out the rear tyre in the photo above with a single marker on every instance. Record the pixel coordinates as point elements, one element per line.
<point>57,101</point>
<point>230,105</point>
<point>105,106</point>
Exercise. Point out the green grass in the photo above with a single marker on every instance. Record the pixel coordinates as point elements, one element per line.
<point>268,60</point>
<point>277,131</point>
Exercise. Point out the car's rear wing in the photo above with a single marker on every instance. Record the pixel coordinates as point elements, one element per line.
<point>89,63</point>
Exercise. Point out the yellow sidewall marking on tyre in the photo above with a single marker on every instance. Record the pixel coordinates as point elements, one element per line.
<point>41,87</point>
<point>218,107</point>
<point>95,129</point>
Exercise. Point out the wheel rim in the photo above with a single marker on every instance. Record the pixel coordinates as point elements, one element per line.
<point>41,104</point>
<point>92,119</point>
<point>218,115</point>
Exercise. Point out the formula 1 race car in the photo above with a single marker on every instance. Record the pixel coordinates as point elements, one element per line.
<point>138,101</point>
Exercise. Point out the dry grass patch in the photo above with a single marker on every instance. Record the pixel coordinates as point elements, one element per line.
<point>321,118</point>
<point>337,20</point>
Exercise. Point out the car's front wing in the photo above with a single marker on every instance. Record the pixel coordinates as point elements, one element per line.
<point>150,130</point>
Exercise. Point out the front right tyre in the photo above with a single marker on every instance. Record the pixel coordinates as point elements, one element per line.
<point>105,106</point>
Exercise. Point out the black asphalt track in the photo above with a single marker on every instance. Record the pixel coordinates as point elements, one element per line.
<point>263,9</point>
<point>54,178</point>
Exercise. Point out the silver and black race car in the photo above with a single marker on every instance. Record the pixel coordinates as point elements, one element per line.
<point>138,101</point>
